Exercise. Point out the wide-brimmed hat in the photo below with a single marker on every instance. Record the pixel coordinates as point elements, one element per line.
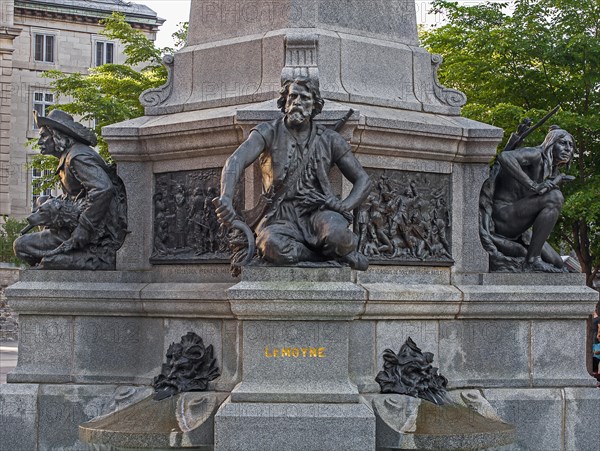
<point>65,123</point>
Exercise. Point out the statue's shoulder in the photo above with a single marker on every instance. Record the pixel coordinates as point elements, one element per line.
<point>82,150</point>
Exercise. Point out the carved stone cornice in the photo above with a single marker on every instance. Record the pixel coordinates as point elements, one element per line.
<point>448,96</point>
<point>301,57</point>
<point>157,96</point>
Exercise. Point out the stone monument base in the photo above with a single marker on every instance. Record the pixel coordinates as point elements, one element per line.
<point>87,348</point>
<point>294,426</point>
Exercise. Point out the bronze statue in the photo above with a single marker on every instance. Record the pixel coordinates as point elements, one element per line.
<point>521,202</point>
<point>86,226</point>
<point>299,218</point>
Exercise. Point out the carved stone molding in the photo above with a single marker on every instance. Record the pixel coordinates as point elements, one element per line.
<point>448,96</point>
<point>301,57</point>
<point>157,96</point>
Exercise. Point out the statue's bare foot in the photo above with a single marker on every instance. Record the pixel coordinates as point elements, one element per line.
<point>357,261</point>
<point>538,265</point>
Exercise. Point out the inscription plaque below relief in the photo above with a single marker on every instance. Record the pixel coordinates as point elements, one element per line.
<point>186,229</point>
<point>406,219</point>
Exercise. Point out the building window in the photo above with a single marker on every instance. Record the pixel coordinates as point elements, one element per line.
<point>44,48</point>
<point>104,53</point>
<point>41,102</point>
<point>37,177</point>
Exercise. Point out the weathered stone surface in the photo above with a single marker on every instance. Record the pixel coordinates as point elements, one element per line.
<point>295,361</point>
<point>184,420</point>
<point>582,410</point>
<point>362,365</point>
<point>398,301</point>
<point>18,416</point>
<point>537,415</point>
<point>306,427</point>
<point>527,302</point>
<point>480,353</point>
<point>528,279</point>
<point>62,408</point>
<point>45,350</point>
<point>117,350</point>
<point>559,354</point>
<point>296,300</point>
<point>410,423</point>
<point>404,275</point>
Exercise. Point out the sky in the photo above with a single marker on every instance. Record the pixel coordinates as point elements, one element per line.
<point>174,11</point>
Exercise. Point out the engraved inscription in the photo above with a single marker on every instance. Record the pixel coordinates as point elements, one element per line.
<point>294,352</point>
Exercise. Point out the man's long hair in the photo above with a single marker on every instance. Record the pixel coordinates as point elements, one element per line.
<point>62,141</point>
<point>309,84</point>
<point>554,134</point>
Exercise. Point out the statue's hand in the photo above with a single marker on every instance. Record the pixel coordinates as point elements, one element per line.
<point>80,237</point>
<point>225,211</point>
<point>333,203</point>
<point>545,186</point>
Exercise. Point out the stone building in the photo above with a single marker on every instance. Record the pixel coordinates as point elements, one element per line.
<point>39,35</point>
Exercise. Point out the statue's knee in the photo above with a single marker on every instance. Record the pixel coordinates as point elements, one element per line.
<point>555,199</point>
<point>340,242</point>
<point>277,249</point>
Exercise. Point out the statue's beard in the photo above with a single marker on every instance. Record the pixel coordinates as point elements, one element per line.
<point>297,116</point>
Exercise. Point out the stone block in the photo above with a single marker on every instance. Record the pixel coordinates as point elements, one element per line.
<point>390,81</point>
<point>559,353</point>
<point>45,350</point>
<point>389,300</point>
<point>18,416</point>
<point>537,415</point>
<point>528,279</point>
<point>231,363</point>
<point>295,274</point>
<point>301,427</point>
<point>117,350</point>
<point>582,410</point>
<point>408,275</point>
<point>478,353</point>
<point>467,251</point>
<point>363,355</point>
<point>186,299</point>
<point>527,302</point>
<point>297,300</point>
<point>295,361</point>
<point>135,252</point>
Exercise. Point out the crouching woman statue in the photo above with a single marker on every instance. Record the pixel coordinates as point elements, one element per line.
<point>84,228</point>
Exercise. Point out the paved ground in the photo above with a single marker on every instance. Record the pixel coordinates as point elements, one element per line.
<point>8,359</point>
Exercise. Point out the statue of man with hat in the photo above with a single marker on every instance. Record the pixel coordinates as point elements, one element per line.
<point>85,226</point>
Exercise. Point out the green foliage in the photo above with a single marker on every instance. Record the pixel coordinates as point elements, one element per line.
<point>10,230</point>
<point>520,59</point>
<point>109,93</point>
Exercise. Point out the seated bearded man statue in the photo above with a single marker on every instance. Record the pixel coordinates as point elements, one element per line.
<point>302,219</point>
<point>83,228</point>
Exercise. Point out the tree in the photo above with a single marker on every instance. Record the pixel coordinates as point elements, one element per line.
<point>109,93</point>
<point>520,59</point>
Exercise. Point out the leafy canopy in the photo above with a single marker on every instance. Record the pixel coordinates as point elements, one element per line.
<point>520,59</point>
<point>109,93</point>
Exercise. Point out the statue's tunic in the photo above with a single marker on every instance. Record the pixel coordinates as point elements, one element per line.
<point>295,214</point>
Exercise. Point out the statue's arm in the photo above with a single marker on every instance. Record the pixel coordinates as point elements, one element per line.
<point>513,162</point>
<point>99,194</point>
<point>361,182</point>
<point>234,167</point>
